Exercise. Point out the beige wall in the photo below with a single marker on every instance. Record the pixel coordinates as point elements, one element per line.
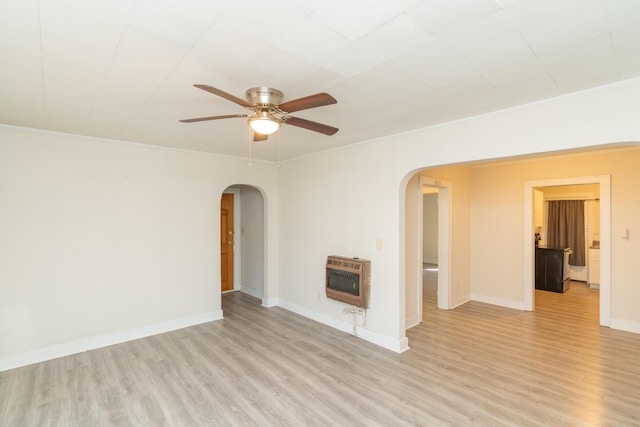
<point>487,220</point>
<point>497,212</point>
<point>430,227</point>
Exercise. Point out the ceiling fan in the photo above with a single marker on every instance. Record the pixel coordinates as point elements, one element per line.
<point>269,113</point>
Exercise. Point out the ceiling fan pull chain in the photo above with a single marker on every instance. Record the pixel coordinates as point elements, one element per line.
<point>279,150</point>
<point>250,147</point>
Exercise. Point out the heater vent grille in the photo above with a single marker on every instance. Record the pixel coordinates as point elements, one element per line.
<point>345,263</point>
<point>344,281</point>
<point>347,280</point>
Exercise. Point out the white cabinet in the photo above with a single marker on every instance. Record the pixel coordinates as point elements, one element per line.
<point>594,268</point>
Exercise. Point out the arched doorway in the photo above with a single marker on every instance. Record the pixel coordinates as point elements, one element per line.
<point>243,233</point>
<point>415,224</point>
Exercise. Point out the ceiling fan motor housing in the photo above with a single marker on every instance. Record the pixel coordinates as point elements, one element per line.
<point>264,96</point>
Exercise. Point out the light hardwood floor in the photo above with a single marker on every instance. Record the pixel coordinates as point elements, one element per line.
<point>475,365</point>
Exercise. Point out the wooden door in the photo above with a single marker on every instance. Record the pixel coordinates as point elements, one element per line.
<point>226,242</point>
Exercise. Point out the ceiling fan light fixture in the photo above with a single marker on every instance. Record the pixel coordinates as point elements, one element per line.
<point>264,123</point>
<point>265,102</point>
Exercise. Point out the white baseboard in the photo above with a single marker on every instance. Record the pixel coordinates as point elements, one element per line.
<point>270,302</point>
<point>459,301</point>
<point>249,291</point>
<point>518,305</point>
<point>625,325</point>
<point>387,342</point>
<point>412,321</point>
<point>92,343</point>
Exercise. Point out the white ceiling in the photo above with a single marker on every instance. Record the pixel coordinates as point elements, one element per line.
<point>124,69</point>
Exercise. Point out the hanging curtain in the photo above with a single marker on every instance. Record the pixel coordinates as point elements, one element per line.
<point>565,228</point>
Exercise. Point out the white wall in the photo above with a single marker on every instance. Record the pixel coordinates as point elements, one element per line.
<point>99,237</point>
<point>430,228</point>
<point>252,241</point>
<point>413,266</point>
<point>102,242</point>
<point>331,206</point>
<point>340,202</point>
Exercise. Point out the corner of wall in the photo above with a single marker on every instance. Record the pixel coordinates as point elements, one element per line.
<point>502,302</point>
<point>462,299</point>
<point>270,302</point>
<point>625,325</point>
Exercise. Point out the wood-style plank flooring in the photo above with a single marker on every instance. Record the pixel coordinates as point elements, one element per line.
<point>475,365</point>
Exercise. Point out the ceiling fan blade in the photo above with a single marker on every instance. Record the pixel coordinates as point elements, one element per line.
<point>225,95</point>
<point>202,119</point>
<point>311,101</point>
<point>257,137</point>
<point>309,125</point>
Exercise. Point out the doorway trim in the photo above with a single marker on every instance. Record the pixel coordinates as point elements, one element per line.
<point>605,239</point>
<point>444,240</point>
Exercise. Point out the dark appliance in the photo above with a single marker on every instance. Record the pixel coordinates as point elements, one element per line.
<point>552,269</point>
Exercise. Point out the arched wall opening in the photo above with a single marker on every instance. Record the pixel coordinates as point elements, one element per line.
<point>249,240</point>
<point>491,239</point>
<point>418,217</point>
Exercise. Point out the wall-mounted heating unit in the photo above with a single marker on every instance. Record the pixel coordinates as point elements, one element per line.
<point>348,280</point>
